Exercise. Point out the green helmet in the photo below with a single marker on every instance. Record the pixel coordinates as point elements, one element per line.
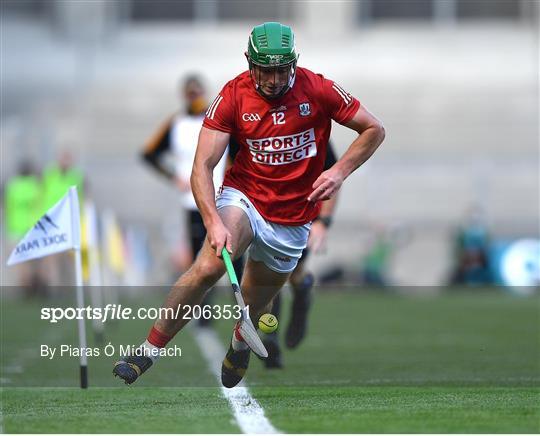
<point>271,47</point>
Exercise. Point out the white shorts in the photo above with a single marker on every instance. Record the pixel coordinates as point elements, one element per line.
<point>279,247</point>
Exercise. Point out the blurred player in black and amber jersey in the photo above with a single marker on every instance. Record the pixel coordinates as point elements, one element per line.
<point>178,137</point>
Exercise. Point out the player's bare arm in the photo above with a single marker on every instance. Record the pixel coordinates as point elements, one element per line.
<point>370,136</point>
<point>210,149</point>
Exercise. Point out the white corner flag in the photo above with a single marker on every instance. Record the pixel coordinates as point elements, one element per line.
<point>56,231</point>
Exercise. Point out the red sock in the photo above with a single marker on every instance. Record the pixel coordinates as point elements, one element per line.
<point>238,343</point>
<point>237,334</point>
<point>158,339</point>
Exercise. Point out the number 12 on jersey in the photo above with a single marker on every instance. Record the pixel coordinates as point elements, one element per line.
<point>278,117</point>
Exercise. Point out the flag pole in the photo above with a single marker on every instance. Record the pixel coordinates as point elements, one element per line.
<point>95,281</point>
<point>76,228</point>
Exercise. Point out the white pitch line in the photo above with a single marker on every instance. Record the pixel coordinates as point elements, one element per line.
<point>248,412</point>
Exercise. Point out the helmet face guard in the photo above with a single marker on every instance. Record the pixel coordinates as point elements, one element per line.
<point>272,58</point>
<point>272,81</point>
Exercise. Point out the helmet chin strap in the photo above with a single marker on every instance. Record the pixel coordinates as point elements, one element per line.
<point>292,77</point>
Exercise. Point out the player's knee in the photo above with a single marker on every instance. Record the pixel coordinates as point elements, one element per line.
<point>209,270</point>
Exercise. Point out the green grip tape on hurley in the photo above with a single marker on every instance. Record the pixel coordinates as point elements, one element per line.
<point>229,266</point>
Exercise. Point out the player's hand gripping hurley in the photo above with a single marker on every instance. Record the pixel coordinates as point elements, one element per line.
<point>246,328</point>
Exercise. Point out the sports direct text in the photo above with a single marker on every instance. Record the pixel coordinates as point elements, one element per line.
<point>119,312</point>
<point>283,150</point>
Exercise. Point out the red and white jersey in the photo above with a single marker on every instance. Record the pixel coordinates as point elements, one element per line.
<point>282,141</point>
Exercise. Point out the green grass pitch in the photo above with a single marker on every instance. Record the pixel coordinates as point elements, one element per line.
<point>377,363</point>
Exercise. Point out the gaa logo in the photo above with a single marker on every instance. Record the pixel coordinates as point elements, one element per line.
<point>251,117</point>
